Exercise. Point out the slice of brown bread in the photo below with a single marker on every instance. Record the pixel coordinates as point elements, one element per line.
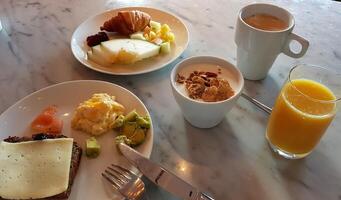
<point>75,158</point>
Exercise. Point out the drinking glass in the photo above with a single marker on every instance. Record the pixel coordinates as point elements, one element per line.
<point>304,108</point>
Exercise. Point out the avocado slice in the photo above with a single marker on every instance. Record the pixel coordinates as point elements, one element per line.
<point>131,117</point>
<point>142,122</point>
<point>138,137</point>
<point>129,128</point>
<point>92,148</point>
<point>118,123</point>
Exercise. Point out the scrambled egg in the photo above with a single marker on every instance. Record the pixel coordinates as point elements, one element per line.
<point>97,115</point>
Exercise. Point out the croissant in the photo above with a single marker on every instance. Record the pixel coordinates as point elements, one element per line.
<point>127,22</point>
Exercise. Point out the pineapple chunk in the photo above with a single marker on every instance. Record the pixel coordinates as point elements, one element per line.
<point>170,37</point>
<point>165,29</point>
<point>165,47</point>
<point>155,26</point>
<point>152,35</point>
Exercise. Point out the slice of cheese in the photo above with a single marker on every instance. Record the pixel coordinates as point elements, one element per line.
<point>34,169</point>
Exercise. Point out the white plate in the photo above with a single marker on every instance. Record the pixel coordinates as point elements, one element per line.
<point>91,26</point>
<point>89,184</point>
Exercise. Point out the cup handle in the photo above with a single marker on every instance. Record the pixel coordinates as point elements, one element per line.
<point>304,44</point>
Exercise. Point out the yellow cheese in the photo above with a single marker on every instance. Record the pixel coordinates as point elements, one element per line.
<point>34,169</point>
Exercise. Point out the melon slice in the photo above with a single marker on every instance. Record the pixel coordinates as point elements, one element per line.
<point>106,56</point>
<point>130,50</point>
<point>97,59</point>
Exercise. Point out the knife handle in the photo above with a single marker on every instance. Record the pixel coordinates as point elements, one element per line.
<point>204,196</point>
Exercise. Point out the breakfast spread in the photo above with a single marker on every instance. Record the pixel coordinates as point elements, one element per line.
<point>47,121</point>
<point>132,128</point>
<point>97,115</point>
<point>206,86</point>
<point>44,166</point>
<point>147,38</point>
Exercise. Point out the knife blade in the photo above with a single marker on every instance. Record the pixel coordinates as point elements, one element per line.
<point>162,177</point>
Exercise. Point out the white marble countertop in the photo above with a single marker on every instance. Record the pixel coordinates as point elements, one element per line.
<point>230,161</point>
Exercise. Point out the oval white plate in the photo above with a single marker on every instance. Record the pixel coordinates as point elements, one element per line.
<point>91,26</point>
<point>89,184</point>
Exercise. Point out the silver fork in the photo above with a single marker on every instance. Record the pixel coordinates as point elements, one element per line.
<point>125,181</point>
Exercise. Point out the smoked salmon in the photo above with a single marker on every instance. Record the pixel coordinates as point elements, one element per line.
<point>47,121</point>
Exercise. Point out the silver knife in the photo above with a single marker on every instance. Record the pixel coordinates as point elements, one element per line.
<point>161,177</point>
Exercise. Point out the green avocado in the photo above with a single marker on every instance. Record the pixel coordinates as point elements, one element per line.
<point>131,117</point>
<point>142,122</point>
<point>132,128</point>
<point>138,137</point>
<point>119,121</point>
<point>92,148</point>
<point>129,128</point>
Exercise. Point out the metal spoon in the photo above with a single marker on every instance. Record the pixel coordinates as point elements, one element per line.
<point>260,105</point>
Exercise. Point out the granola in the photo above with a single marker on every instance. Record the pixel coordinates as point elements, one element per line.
<point>206,86</point>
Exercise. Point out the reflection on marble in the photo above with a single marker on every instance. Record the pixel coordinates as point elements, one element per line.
<point>230,161</point>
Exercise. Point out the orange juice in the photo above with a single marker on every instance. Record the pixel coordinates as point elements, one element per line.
<point>302,113</point>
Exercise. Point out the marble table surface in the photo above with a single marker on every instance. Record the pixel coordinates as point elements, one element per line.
<point>230,161</point>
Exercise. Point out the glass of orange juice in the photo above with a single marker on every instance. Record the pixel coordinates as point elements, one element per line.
<point>303,110</point>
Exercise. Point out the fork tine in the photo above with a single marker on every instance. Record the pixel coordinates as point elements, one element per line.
<point>116,186</point>
<point>124,181</point>
<point>124,169</point>
<point>115,177</point>
<point>123,175</point>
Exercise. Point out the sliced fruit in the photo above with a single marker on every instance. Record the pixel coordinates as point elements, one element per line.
<point>118,123</point>
<point>170,37</point>
<point>106,56</point>
<point>96,59</point>
<point>131,116</point>
<point>137,36</point>
<point>129,128</point>
<point>92,148</point>
<point>125,56</point>
<point>155,26</point>
<point>130,50</point>
<point>142,122</point>
<point>165,47</point>
<point>157,41</point>
<point>138,137</point>
<point>165,29</point>
<point>152,35</point>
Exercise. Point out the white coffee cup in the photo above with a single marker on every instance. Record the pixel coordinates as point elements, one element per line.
<point>257,49</point>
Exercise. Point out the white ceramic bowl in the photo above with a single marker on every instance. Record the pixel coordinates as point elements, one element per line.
<point>206,114</point>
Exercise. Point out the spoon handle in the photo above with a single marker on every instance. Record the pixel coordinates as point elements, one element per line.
<point>260,105</point>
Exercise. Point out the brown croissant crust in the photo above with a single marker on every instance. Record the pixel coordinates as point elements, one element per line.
<point>127,22</point>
